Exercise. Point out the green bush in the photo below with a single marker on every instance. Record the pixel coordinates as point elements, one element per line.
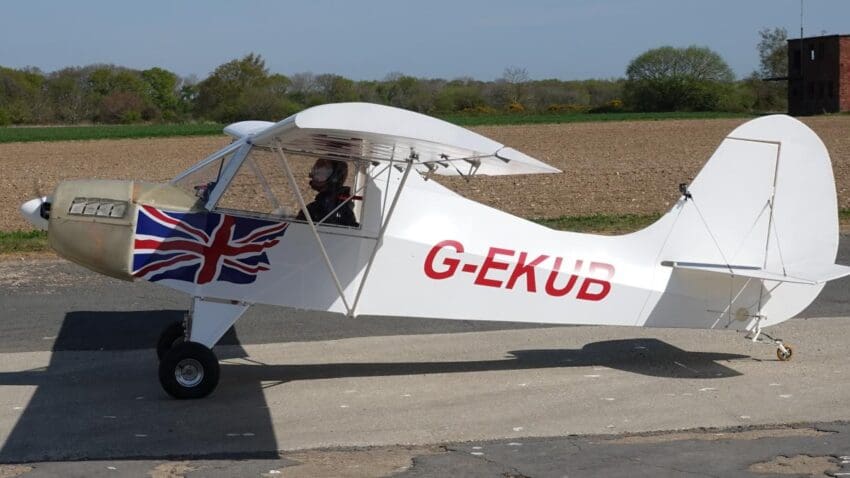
<point>568,108</point>
<point>131,116</point>
<point>479,110</point>
<point>516,107</point>
<point>677,79</point>
<point>463,98</point>
<point>613,106</point>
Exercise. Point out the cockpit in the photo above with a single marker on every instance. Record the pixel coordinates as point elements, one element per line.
<point>262,183</point>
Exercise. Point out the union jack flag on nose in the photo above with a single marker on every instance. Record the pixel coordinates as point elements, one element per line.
<point>202,247</point>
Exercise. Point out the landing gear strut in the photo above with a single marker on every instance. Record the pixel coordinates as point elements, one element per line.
<point>784,352</point>
<point>188,368</point>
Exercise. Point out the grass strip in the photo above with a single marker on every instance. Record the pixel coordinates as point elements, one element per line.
<point>23,241</point>
<point>22,134</point>
<point>555,118</point>
<point>600,223</point>
<point>72,133</point>
<point>36,241</point>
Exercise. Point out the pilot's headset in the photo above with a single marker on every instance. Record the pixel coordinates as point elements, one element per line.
<point>339,174</point>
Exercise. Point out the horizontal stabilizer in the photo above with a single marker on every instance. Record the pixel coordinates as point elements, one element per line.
<point>807,274</point>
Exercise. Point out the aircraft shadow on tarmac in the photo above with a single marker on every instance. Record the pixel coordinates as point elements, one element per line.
<point>650,357</point>
<point>113,407</point>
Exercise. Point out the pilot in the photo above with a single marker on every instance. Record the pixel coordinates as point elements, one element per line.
<point>327,178</point>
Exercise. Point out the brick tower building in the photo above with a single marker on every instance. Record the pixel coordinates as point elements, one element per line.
<point>819,75</point>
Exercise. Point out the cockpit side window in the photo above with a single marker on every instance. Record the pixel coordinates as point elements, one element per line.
<point>331,189</point>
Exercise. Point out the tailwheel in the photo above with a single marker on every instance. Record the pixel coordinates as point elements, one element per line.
<point>784,352</point>
<point>170,336</point>
<point>189,370</point>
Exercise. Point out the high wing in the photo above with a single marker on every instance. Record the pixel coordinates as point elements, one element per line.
<point>383,134</point>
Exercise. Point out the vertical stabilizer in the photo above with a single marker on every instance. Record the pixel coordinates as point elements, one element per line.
<point>763,208</point>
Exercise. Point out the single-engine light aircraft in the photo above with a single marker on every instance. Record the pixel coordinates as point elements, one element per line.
<point>749,243</point>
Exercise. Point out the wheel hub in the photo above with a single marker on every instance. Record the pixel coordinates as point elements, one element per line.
<point>189,372</point>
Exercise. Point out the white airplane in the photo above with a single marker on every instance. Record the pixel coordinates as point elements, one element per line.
<point>749,244</point>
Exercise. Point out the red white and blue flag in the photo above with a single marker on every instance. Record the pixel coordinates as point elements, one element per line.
<point>202,247</point>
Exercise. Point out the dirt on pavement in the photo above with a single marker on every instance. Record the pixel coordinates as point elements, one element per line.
<point>615,167</point>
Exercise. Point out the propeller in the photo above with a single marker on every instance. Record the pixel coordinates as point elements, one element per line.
<point>37,211</point>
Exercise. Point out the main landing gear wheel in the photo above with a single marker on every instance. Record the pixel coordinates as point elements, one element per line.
<point>784,352</point>
<point>169,337</point>
<point>189,370</point>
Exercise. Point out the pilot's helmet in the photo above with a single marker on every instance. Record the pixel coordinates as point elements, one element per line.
<point>327,171</point>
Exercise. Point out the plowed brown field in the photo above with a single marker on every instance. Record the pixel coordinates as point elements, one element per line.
<point>618,167</point>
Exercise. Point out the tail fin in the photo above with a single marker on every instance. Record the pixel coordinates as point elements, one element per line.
<point>763,207</point>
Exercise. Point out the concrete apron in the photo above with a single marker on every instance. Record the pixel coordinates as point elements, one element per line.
<point>422,389</point>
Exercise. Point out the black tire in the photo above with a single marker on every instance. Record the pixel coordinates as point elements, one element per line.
<point>169,336</point>
<point>189,370</point>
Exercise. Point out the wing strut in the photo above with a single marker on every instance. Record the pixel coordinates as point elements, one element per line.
<point>294,185</point>
<point>409,166</point>
<point>350,308</point>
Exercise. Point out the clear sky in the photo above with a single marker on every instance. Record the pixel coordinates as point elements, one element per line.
<point>367,39</point>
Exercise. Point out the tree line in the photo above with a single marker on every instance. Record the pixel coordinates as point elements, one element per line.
<point>661,79</point>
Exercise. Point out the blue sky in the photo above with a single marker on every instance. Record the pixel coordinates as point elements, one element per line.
<point>368,39</point>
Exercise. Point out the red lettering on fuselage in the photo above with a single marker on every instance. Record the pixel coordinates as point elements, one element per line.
<point>451,264</point>
<point>554,291</point>
<point>491,263</point>
<point>499,270</point>
<point>604,285</point>
<point>526,269</point>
